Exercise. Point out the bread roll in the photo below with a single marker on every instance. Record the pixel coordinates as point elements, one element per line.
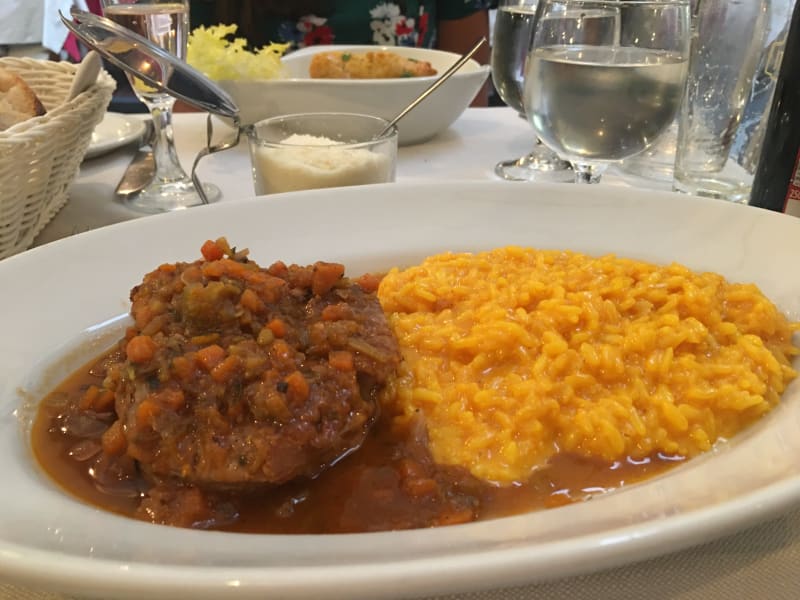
<point>18,102</point>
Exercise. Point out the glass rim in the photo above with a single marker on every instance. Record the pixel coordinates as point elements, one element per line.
<point>388,135</point>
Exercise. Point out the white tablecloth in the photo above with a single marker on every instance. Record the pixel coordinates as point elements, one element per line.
<point>761,562</point>
<point>466,151</point>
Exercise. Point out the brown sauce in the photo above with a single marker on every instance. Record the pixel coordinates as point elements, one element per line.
<point>388,483</point>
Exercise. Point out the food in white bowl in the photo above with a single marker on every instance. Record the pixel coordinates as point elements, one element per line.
<point>344,64</point>
<point>297,92</point>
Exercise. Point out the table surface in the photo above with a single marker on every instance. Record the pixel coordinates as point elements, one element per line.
<point>761,562</point>
<point>468,150</point>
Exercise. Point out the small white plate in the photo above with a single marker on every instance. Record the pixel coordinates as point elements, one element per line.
<point>114,131</point>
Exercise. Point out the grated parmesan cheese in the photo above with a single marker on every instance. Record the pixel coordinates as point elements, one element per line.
<point>311,162</point>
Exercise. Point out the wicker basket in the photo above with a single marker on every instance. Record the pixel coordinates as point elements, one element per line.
<point>40,157</point>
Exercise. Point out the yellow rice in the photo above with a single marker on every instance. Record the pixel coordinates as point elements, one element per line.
<point>516,354</point>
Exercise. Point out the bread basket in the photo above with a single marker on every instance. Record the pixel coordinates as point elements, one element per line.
<point>40,157</point>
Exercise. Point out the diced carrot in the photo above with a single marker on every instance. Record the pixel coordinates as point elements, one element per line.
<point>167,268</point>
<point>278,269</point>
<point>183,368</point>
<point>171,398</point>
<point>146,412</point>
<point>211,250</point>
<point>238,269</point>
<point>210,356</point>
<point>225,370</point>
<point>141,349</point>
<point>277,327</point>
<point>298,387</point>
<point>87,400</point>
<point>333,312</point>
<point>113,440</point>
<point>325,276</point>
<point>204,340</point>
<point>213,270</point>
<point>269,288</point>
<point>341,360</point>
<point>369,282</point>
<point>251,301</point>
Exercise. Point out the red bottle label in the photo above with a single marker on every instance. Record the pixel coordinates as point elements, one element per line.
<point>791,205</point>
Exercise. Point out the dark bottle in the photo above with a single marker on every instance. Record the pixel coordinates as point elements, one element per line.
<point>776,185</point>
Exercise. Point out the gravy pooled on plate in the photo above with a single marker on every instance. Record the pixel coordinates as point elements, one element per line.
<point>283,400</point>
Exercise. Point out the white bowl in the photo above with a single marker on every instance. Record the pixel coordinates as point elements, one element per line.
<point>298,93</point>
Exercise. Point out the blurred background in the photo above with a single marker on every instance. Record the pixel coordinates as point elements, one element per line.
<point>33,28</point>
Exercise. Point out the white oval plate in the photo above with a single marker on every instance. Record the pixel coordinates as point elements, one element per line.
<point>114,131</point>
<point>66,294</point>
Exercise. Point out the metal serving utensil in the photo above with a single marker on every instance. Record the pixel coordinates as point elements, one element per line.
<point>158,68</point>
<point>442,78</point>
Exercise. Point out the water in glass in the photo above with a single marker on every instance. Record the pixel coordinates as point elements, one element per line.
<point>604,78</point>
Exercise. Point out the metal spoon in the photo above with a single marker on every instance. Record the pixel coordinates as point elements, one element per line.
<point>444,77</point>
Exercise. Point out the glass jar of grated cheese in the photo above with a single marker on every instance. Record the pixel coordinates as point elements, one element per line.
<point>319,150</point>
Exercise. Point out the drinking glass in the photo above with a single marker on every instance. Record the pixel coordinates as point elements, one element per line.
<point>605,78</point>
<point>511,39</point>
<point>166,24</point>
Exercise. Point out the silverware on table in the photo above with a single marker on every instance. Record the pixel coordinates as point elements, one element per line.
<point>141,169</point>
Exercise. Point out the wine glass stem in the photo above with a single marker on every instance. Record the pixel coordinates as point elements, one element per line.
<point>588,173</point>
<point>168,167</point>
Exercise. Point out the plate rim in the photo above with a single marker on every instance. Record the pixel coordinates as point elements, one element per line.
<point>136,128</point>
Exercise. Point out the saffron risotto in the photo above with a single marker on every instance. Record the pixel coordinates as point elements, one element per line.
<point>516,354</point>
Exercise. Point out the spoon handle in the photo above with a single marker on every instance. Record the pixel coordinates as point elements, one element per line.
<point>446,75</point>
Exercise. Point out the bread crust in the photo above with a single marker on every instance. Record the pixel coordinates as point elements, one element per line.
<point>18,102</point>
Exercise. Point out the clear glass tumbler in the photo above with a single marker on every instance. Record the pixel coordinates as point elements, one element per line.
<point>726,49</point>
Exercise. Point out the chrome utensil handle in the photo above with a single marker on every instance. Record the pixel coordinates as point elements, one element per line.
<point>444,77</point>
<point>210,149</point>
<point>142,167</point>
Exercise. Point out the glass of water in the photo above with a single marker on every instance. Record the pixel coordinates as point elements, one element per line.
<point>513,32</point>
<point>605,78</point>
<point>166,24</point>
